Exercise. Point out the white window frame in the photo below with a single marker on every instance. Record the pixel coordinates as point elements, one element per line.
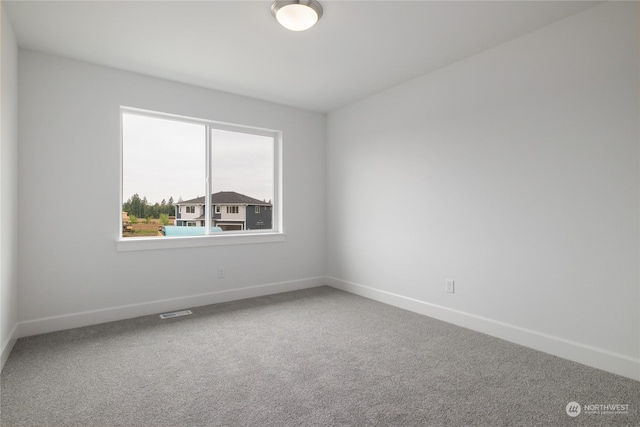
<point>256,209</point>
<point>275,234</point>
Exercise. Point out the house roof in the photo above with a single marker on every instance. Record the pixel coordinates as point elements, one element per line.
<point>226,198</point>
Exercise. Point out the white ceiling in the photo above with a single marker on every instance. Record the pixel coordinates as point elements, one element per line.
<point>357,49</point>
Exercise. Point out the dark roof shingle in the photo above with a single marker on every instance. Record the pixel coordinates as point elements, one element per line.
<point>226,197</point>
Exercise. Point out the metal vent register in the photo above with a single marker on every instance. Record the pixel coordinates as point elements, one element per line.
<point>175,314</point>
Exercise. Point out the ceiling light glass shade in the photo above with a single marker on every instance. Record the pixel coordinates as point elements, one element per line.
<point>296,15</point>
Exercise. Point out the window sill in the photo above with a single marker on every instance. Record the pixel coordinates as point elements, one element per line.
<point>154,243</point>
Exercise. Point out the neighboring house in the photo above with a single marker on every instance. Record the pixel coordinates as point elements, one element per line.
<point>230,211</point>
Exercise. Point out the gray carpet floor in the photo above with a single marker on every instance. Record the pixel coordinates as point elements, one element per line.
<point>317,357</point>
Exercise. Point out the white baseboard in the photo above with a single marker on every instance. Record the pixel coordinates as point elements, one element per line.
<point>8,346</point>
<point>591,356</point>
<point>571,350</point>
<point>93,317</point>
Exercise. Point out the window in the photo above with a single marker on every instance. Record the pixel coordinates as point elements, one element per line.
<point>168,160</point>
<point>257,209</point>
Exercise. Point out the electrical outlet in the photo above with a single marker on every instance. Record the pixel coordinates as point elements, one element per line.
<point>451,286</point>
<point>220,272</point>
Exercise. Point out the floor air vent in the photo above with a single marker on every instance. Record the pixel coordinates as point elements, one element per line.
<point>175,314</point>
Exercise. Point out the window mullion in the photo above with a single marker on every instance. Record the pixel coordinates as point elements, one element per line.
<point>208,184</point>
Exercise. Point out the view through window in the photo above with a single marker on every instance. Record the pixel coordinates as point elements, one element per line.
<point>189,177</point>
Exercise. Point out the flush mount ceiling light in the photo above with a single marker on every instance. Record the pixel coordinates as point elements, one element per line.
<point>296,15</point>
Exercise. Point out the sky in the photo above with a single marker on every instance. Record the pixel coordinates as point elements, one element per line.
<point>166,158</point>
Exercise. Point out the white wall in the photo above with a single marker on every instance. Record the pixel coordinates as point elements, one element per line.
<point>514,172</point>
<point>8,188</point>
<point>70,272</point>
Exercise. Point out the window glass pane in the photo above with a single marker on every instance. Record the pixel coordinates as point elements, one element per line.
<point>162,164</point>
<point>164,169</point>
<point>243,176</point>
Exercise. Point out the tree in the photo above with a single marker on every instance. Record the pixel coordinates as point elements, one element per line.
<point>141,208</point>
<point>162,209</point>
<point>134,206</point>
<point>164,219</point>
<point>152,211</point>
<point>171,210</point>
<point>133,219</point>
